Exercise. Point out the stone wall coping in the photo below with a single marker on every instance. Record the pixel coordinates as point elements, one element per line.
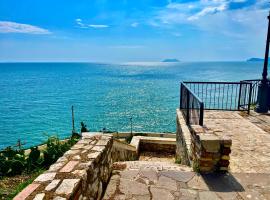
<point>125,134</point>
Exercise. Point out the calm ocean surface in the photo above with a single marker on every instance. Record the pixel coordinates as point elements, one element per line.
<point>36,98</point>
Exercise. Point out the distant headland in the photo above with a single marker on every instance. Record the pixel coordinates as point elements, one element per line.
<point>170,60</point>
<point>256,60</point>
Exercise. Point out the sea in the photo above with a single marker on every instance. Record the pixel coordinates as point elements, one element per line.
<point>36,98</point>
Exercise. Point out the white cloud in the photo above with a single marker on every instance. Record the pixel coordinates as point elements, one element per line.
<point>13,27</point>
<point>208,10</point>
<point>83,25</point>
<point>134,24</point>
<point>98,26</point>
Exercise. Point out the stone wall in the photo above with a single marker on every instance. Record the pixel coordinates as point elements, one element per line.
<point>206,151</point>
<point>183,140</point>
<point>82,173</point>
<point>209,152</point>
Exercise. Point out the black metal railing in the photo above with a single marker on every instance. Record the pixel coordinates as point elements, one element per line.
<point>191,106</point>
<point>254,84</point>
<point>223,95</point>
<point>199,96</point>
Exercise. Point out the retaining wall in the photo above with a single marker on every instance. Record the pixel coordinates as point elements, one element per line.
<point>206,151</point>
<point>82,173</point>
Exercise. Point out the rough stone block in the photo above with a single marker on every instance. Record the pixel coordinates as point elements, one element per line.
<point>210,143</point>
<point>102,143</point>
<point>55,167</point>
<point>45,177</point>
<point>98,148</point>
<point>39,196</point>
<point>67,186</point>
<point>93,155</point>
<point>52,185</point>
<point>69,166</point>
<point>27,191</point>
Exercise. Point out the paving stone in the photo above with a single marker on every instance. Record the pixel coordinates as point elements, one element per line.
<point>129,174</point>
<point>132,187</point>
<point>69,166</point>
<point>52,185</point>
<point>67,186</point>
<point>27,191</point>
<point>45,177</point>
<point>188,193</point>
<point>197,182</point>
<point>151,175</point>
<point>159,193</point>
<point>166,183</point>
<point>206,195</point>
<point>178,176</point>
<point>39,196</point>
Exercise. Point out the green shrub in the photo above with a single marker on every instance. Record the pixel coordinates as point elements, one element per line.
<point>17,167</point>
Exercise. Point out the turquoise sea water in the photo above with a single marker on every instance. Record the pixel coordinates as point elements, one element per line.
<point>36,98</point>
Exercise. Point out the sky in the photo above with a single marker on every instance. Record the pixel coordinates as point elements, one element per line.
<point>132,30</point>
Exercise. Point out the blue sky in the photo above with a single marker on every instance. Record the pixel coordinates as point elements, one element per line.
<point>132,30</point>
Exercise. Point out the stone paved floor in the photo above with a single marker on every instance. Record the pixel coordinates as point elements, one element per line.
<point>250,143</point>
<point>249,176</point>
<point>144,180</point>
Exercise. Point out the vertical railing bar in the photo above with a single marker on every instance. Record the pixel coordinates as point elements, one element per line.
<point>249,98</point>
<point>201,113</point>
<point>187,118</point>
<point>240,92</point>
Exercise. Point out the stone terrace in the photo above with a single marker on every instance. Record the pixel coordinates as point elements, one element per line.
<point>143,180</point>
<point>250,143</point>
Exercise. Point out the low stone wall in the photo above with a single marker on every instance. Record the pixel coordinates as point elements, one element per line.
<point>209,152</point>
<point>206,151</point>
<point>154,144</point>
<point>82,173</point>
<point>183,140</point>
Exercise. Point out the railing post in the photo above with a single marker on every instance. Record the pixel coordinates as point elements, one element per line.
<point>240,91</point>
<point>181,95</point>
<point>188,99</point>
<point>249,98</point>
<point>201,114</point>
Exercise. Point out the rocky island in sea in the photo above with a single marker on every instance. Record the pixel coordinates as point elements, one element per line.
<point>255,60</point>
<point>171,60</point>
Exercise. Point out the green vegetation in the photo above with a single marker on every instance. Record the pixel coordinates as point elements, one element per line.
<point>13,190</point>
<point>178,160</point>
<point>18,168</point>
<point>15,161</point>
<point>195,166</point>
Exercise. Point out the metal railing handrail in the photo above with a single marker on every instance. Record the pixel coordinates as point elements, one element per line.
<point>188,107</point>
<point>190,90</point>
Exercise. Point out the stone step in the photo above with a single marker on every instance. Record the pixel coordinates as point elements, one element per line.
<point>153,165</point>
